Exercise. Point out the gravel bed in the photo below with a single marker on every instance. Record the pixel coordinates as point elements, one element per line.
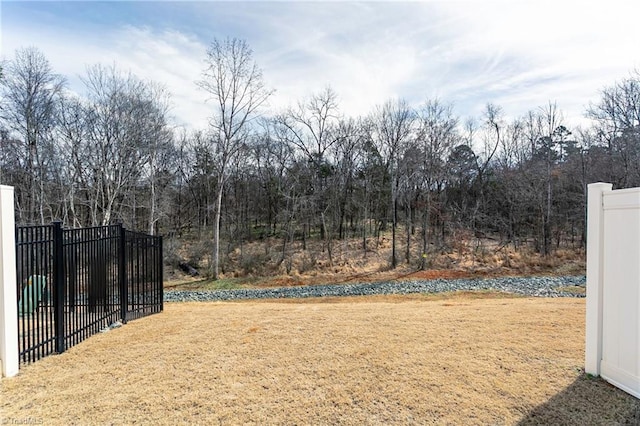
<point>529,286</point>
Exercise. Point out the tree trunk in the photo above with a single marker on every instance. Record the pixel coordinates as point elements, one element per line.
<point>394,257</point>
<point>547,221</point>
<point>425,233</point>
<point>327,240</point>
<point>407,254</point>
<point>216,234</point>
<point>304,236</point>
<point>364,225</point>
<point>152,207</point>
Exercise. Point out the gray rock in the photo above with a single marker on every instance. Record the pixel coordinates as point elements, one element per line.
<point>528,286</point>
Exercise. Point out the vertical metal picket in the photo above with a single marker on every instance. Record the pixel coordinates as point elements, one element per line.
<point>74,282</point>
<point>159,263</point>
<point>122,274</point>
<point>58,287</point>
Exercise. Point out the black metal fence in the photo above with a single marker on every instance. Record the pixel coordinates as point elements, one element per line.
<point>72,283</point>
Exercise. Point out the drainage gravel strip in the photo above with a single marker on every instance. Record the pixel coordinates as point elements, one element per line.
<point>528,286</point>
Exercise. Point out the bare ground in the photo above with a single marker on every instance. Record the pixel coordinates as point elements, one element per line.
<point>262,263</point>
<point>449,359</point>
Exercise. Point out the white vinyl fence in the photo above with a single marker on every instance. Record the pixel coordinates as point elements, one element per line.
<point>8,297</point>
<point>613,286</point>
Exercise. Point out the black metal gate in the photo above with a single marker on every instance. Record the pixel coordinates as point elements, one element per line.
<point>72,283</point>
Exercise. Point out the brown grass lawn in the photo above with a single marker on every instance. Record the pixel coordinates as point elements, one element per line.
<point>453,359</point>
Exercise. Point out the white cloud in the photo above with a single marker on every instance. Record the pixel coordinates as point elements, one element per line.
<point>519,54</point>
<point>172,58</point>
<point>362,77</point>
<point>167,57</point>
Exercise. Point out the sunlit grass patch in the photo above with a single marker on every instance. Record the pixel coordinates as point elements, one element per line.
<point>573,289</point>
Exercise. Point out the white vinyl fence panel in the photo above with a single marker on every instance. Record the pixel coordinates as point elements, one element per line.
<point>9,361</point>
<point>613,286</point>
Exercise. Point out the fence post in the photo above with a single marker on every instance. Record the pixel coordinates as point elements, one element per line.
<point>595,227</point>
<point>58,286</point>
<point>9,352</point>
<point>161,266</point>
<point>122,273</point>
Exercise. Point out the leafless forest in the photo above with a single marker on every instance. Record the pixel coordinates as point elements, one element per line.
<point>310,173</point>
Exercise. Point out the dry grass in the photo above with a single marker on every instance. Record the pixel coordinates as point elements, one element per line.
<point>574,289</point>
<point>463,256</point>
<point>457,359</point>
<point>199,283</point>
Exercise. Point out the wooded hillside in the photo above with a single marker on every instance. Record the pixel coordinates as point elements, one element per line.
<point>311,172</point>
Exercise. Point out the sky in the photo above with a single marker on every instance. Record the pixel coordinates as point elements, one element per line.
<point>517,54</point>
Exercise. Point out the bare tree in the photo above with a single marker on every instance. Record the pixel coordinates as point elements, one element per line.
<point>72,134</point>
<point>271,158</point>
<point>311,129</point>
<point>236,86</point>
<point>491,136</point>
<point>159,150</point>
<point>392,130</point>
<point>125,121</point>
<point>350,137</point>
<point>617,123</point>
<point>436,138</point>
<point>554,136</point>
<point>30,93</point>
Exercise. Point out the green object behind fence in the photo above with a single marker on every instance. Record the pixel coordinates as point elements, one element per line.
<point>33,293</point>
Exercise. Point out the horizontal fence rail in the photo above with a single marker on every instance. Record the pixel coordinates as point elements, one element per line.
<point>72,283</point>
